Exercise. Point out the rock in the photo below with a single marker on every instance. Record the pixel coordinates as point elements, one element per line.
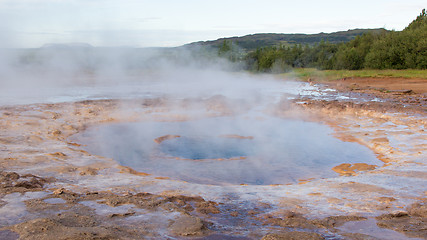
<point>187,225</point>
<point>358,236</point>
<point>56,132</point>
<point>59,191</point>
<point>58,154</point>
<point>10,176</point>
<point>236,136</point>
<point>411,222</point>
<point>395,214</point>
<point>293,236</point>
<point>336,221</point>
<point>88,171</point>
<point>418,210</point>
<point>207,207</point>
<point>165,137</point>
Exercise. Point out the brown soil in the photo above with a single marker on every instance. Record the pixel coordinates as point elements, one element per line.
<point>388,85</point>
<point>405,91</point>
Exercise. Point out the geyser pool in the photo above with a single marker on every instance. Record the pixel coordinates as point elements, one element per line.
<point>203,148</point>
<point>227,150</point>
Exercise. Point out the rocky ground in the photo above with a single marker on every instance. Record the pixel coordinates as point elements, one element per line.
<point>403,92</point>
<point>50,188</point>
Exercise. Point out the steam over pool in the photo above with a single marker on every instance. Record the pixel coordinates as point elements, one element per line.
<point>227,150</point>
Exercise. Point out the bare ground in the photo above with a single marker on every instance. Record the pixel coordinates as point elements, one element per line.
<point>83,196</point>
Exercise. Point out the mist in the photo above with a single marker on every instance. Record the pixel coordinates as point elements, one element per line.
<point>193,83</point>
<point>204,99</point>
<point>71,72</point>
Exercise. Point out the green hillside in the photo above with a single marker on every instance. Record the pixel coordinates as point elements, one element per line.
<point>406,49</point>
<point>254,41</point>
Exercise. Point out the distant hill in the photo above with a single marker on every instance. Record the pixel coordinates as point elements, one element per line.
<point>254,41</point>
<point>66,45</point>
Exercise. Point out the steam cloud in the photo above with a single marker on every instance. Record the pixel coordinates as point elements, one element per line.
<point>57,73</point>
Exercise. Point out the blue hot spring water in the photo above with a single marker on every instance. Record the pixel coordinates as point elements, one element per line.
<point>227,150</point>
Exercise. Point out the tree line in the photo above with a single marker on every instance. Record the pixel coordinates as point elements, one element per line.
<point>406,49</point>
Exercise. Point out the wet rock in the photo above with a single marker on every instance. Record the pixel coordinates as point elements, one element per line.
<point>336,221</point>
<point>59,191</point>
<point>47,228</point>
<point>289,220</point>
<point>121,214</point>
<point>293,236</point>
<point>33,183</point>
<point>67,195</point>
<point>164,138</point>
<point>412,222</point>
<point>396,214</point>
<point>88,171</point>
<point>9,176</point>
<point>13,182</point>
<point>58,154</point>
<point>207,207</point>
<point>236,136</point>
<point>358,236</point>
<point>55,115</point>
<point>187,225</point>
<point>418,209</point>
<point>56,133</point>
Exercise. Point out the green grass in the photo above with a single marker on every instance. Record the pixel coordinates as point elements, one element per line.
<point>330,75</point>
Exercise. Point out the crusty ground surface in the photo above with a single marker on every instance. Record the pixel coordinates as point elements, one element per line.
<point>50,188</point>
<point>407,91</point>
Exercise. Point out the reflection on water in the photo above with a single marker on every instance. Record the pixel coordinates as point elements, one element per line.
<point>274,151</point>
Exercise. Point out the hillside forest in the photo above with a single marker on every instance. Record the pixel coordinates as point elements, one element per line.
<point>382,49</point>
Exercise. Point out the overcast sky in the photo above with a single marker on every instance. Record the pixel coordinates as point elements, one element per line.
<point>164,23</point>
